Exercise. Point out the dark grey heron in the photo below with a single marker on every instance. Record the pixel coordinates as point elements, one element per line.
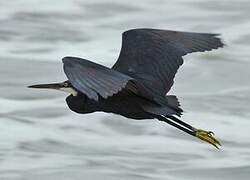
<point>137,85</point>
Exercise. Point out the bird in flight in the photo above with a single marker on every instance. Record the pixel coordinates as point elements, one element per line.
<point>138,83</point>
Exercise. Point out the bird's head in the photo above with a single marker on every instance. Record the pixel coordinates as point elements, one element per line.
<point>63,86</point>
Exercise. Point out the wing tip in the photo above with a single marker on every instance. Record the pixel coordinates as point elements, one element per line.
<point>212,42</point>
<point>220,42</point>
<point>216,40</point>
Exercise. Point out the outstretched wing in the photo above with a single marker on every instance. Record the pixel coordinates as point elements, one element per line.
<point>93,79</point>
<point>153,56</point>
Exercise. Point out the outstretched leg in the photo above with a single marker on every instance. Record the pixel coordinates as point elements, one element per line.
<point>207,136</point>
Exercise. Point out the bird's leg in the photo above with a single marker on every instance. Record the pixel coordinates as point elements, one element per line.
<point>207,136</point>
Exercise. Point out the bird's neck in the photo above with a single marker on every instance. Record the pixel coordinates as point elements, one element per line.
<point>81,104</point>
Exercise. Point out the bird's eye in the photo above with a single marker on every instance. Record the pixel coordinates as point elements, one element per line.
<point>65,84</point>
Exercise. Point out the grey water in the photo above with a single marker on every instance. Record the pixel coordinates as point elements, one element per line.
<point>40,138</point>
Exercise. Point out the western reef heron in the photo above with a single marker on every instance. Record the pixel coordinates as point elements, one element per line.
<point>137,85</point>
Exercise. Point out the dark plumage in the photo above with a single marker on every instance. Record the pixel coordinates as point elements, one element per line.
<point>137,84</point>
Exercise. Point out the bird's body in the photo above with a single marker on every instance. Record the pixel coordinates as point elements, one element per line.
<point>137,85</point>
<point>122,103</point>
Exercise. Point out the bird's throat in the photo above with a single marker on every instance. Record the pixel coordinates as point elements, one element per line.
<point>69,90</point>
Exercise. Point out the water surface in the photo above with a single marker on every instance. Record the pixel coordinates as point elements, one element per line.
<point>40,138</point>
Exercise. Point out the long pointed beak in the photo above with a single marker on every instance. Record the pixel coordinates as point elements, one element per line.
<point>47,86</point>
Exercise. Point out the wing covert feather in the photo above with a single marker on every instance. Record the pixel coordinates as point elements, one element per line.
<point>93,79</point>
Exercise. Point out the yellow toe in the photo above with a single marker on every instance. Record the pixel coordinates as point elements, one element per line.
<point>207,136</point>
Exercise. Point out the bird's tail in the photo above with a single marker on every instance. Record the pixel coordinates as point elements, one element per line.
<point>171,108</point>
<point>174,104</point>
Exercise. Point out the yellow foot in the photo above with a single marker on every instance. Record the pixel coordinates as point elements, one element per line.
<point>207,136</point>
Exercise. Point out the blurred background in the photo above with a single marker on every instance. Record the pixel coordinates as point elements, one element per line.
<point>40,138</point>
